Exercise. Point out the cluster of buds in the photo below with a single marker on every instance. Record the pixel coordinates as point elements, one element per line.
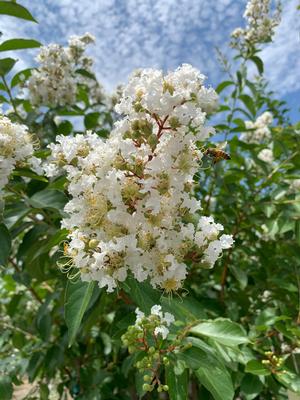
<point>148,336</point>
<point>133,206</point>
<point>273,362</point>
<point>16,149</point>
<point>260,24</point>
<point>55,82</point>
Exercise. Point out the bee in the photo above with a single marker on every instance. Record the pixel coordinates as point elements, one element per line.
<point>217,153</point>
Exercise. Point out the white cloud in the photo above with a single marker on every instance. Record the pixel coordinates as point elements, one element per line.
<point>282,58</point>
<point>159,33</point>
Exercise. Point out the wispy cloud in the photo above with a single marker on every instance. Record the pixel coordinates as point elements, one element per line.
<point>160,33</point>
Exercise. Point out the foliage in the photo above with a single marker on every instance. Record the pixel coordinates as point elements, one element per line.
<point>236,331</point>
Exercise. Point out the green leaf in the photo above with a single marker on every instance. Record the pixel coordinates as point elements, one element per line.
<point>5,244</point>
<point>77,298</point>
<point>86,73</point>
<point>6,64</point>
<point>178,384</point>
<point>221,330</point>
<point>251,386</point>
<point>259,64</point>
<point>223,85</point>
<point>48,198</point>
<point>19,44</point>
<point>20,77</point>
<point>297,231</point>
<point>289,380</point>
<point>29,174</point>
<point>143,295</point>
<point>6,387</point>
<point>91,120</point>
<point>256,368</point>
<point>249,103</point>
<point>15,10</point>
<point>217,380</point>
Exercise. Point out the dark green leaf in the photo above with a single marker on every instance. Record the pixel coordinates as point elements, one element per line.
<point>251,386</point>
<point>15,10</point>
<point>77,298</point>
<point>91,120</point>
<point>6,64</point>
<point>259,64</point>
<point>143,295</point>
<point>6,387</point>
<point>297,231</point>
<point>5,244</point>
<point>19,44</point>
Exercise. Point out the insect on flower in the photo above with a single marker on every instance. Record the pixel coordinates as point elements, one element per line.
<point>217,153</point>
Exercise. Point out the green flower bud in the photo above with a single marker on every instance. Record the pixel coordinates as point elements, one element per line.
<point>146,387</point>
<point>93,243</point>
<point>165,388</point>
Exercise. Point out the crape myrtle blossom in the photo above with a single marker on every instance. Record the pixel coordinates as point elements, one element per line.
<point>261,24</point>
<point>259,130</point>
<point>132,206</point>
<point>161,321</point>
<point>61,69</point>
<point>266,155</point>
<point>16,149</point>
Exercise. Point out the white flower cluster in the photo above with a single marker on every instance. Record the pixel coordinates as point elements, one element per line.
<point>133,208</point>
<point>259,130</point>
<point>16,148</point>
<point>260,24</point>
<point>162,320</point>
<point>55,82</point>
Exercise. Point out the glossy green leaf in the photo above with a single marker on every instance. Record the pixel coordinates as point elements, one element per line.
<point>19,44</point>
<point>221,330</point>
<point>15,10</point>
<point>216,379</point>
<point>5,244</point>
<point>178,384</point>
<point>77,298</point>
<point>257,368</point>
<point>49,198</point>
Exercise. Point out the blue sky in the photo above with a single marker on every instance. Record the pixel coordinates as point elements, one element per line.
<point>162,33</point>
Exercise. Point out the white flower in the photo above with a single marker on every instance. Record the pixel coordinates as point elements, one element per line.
<point>161,330</point>
<point>16,147</point>
<point>266,155</point>
<point>259,130</point>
